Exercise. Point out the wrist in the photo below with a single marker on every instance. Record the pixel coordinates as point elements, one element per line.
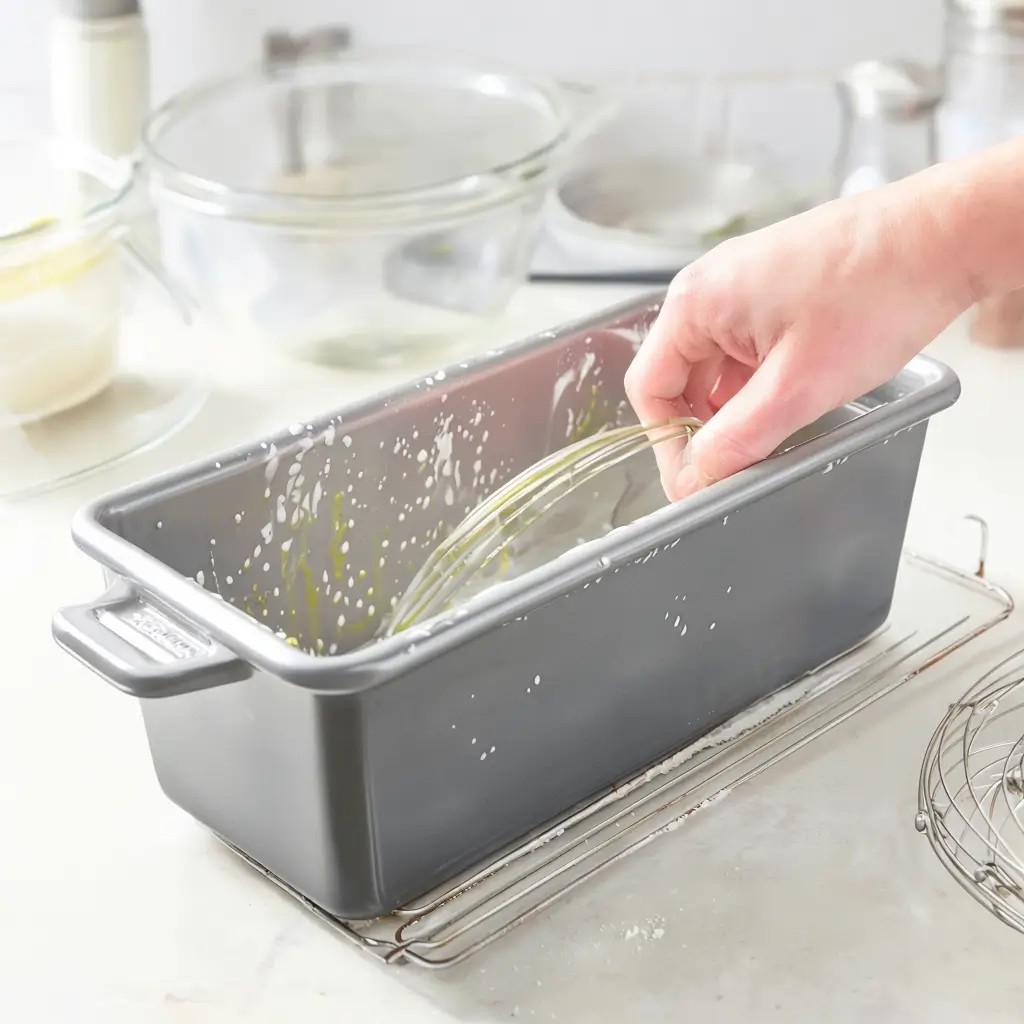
<point>972,214</point>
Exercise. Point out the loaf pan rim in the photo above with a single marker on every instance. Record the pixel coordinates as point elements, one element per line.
<point>357,670</point>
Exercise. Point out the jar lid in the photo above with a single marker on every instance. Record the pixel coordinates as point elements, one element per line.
<point>988,5</point>
<point>894,89</point>
<point>97,10</point>
<point>990,13</point>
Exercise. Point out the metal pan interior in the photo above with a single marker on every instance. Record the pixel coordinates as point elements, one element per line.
<point>316,535</point>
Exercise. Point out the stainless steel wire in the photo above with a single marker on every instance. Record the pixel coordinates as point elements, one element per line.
<point>488,531</point>
<point>971,790</point>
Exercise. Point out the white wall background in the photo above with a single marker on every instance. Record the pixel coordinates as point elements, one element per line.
<point>593,38</point>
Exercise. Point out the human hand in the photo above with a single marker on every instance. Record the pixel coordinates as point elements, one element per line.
<point>770,331</point>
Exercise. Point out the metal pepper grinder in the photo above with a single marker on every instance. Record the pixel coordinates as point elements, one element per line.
<point>312,123</point>
<point>888,123</point>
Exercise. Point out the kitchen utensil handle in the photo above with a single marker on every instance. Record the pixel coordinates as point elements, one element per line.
<point>141,650</point>
<point>590,109</point>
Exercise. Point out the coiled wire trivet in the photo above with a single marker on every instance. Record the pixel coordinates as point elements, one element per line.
<point>971,790</point>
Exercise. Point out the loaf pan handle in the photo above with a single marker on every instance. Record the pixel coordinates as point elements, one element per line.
<point>141,650</point>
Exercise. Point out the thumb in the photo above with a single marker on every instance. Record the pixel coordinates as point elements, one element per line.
<point>774,404</point>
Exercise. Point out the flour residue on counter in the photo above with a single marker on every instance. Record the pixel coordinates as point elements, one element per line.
<point>648,931</point>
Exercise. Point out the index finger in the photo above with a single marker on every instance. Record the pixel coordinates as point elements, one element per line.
<point>664,366</point>
<point>660,371</point>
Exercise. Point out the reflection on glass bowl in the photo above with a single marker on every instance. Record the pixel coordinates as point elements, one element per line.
<point>96,355</point>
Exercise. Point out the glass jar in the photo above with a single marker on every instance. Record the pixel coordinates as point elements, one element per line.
<point>984,105</point>
<point>888,123</point>
<point>984,72</point>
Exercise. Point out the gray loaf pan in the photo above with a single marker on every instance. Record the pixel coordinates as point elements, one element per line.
<point>364,774</point>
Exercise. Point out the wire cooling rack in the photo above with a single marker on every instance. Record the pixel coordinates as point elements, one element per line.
<point>937,609</point>
<point>971,790</point>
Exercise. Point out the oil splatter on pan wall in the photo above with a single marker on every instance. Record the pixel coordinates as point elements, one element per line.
<point>364,773</point>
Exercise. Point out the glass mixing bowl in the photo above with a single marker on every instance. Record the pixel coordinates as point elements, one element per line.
<point>86,329</point>
<point>59,282</point>
<point>687,163</point>
<point>361,211</point>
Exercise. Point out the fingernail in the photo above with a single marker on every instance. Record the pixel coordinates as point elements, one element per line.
<point>671,464</point>
<point>689,479</point>
<point>687,482</point>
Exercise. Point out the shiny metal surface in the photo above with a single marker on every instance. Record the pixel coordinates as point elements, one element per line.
<point>366,774</point>
<point>971,790</point>
<point>283,49</point>
<point>938,610</point>
<point>520,521</point>
<point>97,10</point>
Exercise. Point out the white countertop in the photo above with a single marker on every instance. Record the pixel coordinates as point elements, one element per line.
<point>823,902</point>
